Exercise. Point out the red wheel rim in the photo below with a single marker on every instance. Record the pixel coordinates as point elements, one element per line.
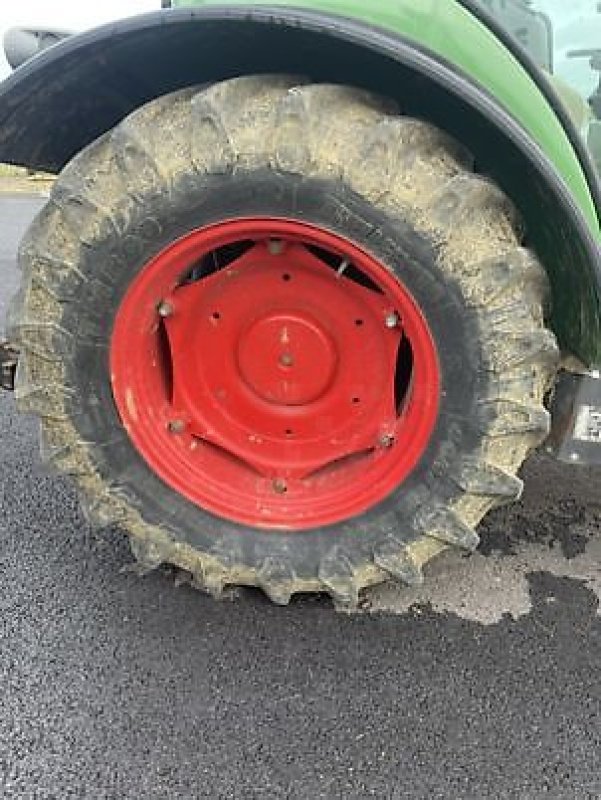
<point>274,373</point>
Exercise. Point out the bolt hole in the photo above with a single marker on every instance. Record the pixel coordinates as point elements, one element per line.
<point>289,432</point>
<point>358,322</point>
<point>216,315</point>
<point>286,277</point>
<point>356,400</point>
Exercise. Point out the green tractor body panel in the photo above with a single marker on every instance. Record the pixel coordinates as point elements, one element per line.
<point>452,32</point>
<point>456,37</point>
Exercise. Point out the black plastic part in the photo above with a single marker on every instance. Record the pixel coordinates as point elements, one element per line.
<point>65,98</point>
<point>576,432</point>
<point>9,357</point>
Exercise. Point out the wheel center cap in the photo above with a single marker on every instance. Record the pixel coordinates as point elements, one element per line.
<point>287,358</point>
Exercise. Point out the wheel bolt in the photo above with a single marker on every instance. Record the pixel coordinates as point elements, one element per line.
<point>392,320</point>
<point>275,247</point>
<point>176,426</point>
<point>280,486</point>
<point>286,360</point>
<point>386,440</point>
<point>165,309</point>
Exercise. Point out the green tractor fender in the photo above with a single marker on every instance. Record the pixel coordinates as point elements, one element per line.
<point>447,63</point>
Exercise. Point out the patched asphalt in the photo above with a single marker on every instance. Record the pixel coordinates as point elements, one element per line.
<point>112,686</point>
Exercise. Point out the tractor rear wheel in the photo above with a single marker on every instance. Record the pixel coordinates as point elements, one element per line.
<point>284,337</point>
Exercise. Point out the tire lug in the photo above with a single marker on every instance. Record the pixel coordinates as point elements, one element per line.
<point>182,577</point>
<point>393,556</point>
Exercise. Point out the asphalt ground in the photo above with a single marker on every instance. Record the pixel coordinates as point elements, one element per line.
<point>485,684</point>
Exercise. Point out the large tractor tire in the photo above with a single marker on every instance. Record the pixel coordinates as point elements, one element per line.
<point>284,337</point>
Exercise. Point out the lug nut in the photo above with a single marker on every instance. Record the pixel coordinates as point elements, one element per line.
<point>275,247</point>
<point>386,440</point>
<point>280,486</point>
<point>286,360</point>
<point>392,320</point>
<point>176,426</point>
<point>165,309</point>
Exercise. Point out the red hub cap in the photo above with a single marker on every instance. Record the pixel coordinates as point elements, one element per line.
<point>274,373</point>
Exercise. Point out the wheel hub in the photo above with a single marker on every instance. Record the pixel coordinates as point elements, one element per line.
<point>256,365</point>
<point>287,358</point>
